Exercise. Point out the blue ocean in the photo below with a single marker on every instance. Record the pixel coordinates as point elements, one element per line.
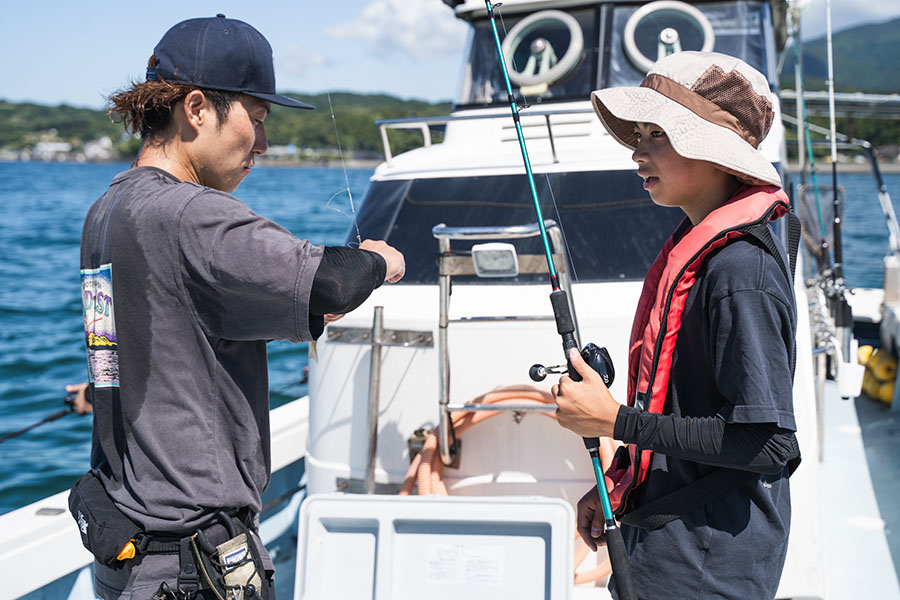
<point>43,207</point>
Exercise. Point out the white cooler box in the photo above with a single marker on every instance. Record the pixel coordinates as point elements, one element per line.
<point>358,547</point>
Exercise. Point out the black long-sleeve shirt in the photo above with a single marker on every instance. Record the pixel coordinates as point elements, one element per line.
<point>757,447</point>
<point>343,281</point>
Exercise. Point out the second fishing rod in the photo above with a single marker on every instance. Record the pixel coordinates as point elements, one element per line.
<point>596,357</point>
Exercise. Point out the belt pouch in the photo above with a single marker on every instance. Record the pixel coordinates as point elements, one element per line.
<point>104,528</point>
<point>237,563</point>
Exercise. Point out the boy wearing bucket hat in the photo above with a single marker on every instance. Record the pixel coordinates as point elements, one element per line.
<point>182,286</point>
<point>701,486</point>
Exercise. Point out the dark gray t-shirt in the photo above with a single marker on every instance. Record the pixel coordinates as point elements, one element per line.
<point>182,285</point>
<point>732,359</point>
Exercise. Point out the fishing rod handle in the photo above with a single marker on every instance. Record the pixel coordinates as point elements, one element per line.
<point>565,324</point>
<point>618,556</point>
<point>615,544</point>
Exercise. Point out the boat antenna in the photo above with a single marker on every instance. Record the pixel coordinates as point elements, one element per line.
<point>70,402</point>
<point>565,326</point>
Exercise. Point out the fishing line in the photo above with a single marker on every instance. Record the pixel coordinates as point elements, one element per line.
<point>352,217</point>
<point>505,35</point>
<point>337,136</point>
<point>547,175</point>
<point>562,230</point>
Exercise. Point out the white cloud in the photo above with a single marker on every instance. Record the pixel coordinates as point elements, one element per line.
<point>404,26</point>
<point>844,14</point>
<point>296,61</point>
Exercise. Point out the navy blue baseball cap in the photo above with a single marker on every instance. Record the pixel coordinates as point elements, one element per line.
<point>219,54</point>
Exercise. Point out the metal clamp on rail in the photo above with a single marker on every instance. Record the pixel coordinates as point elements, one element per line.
<point>496,260</point>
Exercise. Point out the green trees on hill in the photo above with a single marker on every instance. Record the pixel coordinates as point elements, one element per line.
<point>355,115</point>
<point>866,59</point>
<point>21,125</point>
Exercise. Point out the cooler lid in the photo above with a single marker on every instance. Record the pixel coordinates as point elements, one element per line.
<point>379,547</point>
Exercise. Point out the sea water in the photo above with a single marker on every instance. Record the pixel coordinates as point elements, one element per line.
<point>43,207</point>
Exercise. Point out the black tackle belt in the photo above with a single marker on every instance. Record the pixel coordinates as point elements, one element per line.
<point>222,555</point>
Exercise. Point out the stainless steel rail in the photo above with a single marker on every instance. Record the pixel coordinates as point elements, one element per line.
<point>374,396</point>
<point>424,124</point>
<point>450,266</point>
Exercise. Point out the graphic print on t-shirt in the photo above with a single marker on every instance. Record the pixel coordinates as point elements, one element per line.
<point>100,326</point>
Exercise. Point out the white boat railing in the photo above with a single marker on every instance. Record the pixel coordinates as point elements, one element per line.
<point>40,543</point>
<point>424,124</point>
<point>884,198</point>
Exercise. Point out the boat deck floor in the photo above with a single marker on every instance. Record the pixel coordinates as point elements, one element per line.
<point>860,488</point>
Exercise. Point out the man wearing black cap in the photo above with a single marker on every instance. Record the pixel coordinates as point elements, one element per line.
<point>182,285</point>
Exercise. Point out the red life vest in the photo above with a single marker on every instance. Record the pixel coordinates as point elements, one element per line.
<point>658,317</point>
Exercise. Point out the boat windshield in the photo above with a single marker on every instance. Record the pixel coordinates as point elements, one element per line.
<point>612,229</point>
<point>562,55</point>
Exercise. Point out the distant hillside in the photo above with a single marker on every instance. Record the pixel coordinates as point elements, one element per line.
<point>355,115</point>
<point>22,125</point>
<point>866,59</point>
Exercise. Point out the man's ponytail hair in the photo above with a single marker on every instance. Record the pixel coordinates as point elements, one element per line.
<point>146,108</point>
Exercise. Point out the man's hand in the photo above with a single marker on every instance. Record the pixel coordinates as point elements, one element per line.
<point>590,522</point>
<point>81,404</point>
<point>393,259</point>
<point>585,407</point>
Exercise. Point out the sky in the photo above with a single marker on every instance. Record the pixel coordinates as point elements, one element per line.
<point>77,52</point>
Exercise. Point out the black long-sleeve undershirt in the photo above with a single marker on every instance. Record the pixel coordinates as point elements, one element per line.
<point>757,447</point>
<point>343,281</point>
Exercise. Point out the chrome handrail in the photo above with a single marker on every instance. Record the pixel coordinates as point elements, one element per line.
<point>444,234</point>
<point>444,119</point>
<point>509,232</point>
<point>424,124</point>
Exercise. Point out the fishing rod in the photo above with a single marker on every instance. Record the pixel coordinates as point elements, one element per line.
<point>598,358</point>
<point>69,400</point>
<point>843,314</point>
<point>803,130</point>
<point>838,252</point>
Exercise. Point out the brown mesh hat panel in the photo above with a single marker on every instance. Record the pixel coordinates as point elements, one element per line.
<point>734,93</point>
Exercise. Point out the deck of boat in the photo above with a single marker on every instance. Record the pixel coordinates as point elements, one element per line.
<point>859,483</point>
<point>860,487</point>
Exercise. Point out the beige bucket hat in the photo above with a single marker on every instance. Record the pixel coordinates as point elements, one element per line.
<point>712,106</point>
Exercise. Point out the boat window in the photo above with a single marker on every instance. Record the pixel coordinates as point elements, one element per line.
<point>612,229</point>
<point>640,35</point>
<point>550,54</point>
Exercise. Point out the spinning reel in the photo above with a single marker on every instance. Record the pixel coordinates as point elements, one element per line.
<point>597,358</point>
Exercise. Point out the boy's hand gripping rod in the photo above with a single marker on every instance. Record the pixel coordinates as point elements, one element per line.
<point>565,325</point>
